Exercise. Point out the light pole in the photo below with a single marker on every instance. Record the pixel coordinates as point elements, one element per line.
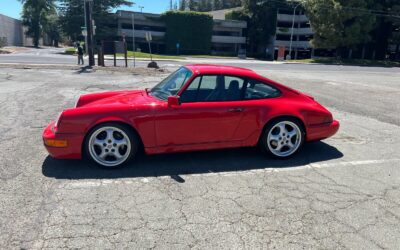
<point>291,35</point>
<point>133,38</point>
<point>141,8</point>
<point>89,30</point>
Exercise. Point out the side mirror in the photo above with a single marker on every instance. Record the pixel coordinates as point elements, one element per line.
<point>173,101</point>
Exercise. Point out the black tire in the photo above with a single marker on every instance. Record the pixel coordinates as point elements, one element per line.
<point>133,138</point>
<point>269,150</point>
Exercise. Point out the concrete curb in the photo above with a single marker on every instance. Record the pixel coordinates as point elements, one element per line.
<point>137,70</point>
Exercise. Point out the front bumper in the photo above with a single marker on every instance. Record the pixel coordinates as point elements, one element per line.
<point>322,131</point>
<point>72,149</point>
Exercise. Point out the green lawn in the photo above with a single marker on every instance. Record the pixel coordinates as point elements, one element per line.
<point>210,56</point>
<point>147,55</point>
<point>357,62</point>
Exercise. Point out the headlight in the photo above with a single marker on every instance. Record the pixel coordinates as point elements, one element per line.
<point>77,102</point>
<point>57,123</point>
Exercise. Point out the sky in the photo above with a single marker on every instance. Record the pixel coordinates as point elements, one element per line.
<point>13,8</point>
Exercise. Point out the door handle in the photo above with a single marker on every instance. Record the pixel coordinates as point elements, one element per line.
<point>235,110</point>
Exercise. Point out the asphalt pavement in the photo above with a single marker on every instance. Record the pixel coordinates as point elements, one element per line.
<point>341,193</point>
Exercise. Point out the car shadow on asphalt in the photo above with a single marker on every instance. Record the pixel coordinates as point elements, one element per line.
<point>177,164</point>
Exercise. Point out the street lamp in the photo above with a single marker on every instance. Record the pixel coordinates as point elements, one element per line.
<point>133,38</point>
<point>291,35</point>
<point>141,8</point>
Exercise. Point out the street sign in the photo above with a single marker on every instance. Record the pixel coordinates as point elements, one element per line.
<point>149,36</point>
<point>84,32</point>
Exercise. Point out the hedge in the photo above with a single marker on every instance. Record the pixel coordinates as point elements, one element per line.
<point>192,30</point>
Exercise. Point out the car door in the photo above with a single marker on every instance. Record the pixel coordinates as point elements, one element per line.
<point>258,101</point>
<point>206,114</point>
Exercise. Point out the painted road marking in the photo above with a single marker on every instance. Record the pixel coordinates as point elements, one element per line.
<point>96,183</point>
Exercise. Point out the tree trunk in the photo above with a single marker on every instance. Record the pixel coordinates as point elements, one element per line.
<point>350,54</point>
<point>36,39</point>
<point>363,52</point>
<point>383,32</point>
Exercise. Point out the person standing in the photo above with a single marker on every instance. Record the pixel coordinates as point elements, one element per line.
<point>80,54</point>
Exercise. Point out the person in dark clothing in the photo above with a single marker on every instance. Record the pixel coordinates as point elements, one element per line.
<point>80,54</point>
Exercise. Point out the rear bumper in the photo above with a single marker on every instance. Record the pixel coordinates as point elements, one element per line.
<point>71,151</point>
<point>322,131</point>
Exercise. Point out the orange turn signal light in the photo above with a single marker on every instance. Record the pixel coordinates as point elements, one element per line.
<point>56,143</point>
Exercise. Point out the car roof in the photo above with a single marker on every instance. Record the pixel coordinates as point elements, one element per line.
<point>205,69</point>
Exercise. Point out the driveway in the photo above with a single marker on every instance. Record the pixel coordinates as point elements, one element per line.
<point>343,192</point>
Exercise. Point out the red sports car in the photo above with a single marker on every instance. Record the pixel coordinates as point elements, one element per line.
<point>198,107</point>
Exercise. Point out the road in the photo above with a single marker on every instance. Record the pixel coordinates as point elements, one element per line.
<point>343,192</point>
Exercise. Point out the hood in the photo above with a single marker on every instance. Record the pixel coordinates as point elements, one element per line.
<point>112,98</point>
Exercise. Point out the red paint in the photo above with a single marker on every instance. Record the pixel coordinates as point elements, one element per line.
<point>171,127</point>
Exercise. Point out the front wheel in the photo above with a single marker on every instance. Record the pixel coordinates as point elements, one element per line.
<point>111,145</point>
<point>283,138</point>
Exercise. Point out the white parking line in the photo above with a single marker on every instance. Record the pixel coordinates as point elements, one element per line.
<point>96,183</point>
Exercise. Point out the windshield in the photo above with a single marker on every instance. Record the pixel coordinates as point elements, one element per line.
<point>172,84</point>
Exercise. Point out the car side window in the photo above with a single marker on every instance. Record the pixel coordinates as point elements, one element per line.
<point>214,88</point>
<point>234,86</point>
<point>260,90</point>
<point>190,93</point>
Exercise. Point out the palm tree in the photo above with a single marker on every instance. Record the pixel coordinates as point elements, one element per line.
<point>34,17</point>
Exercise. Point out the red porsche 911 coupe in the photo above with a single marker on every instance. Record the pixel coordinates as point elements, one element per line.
<point>198,107</point>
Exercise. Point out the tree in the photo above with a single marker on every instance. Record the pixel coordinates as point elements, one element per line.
<point>35,17</point>
<point>217,4</point>
<point>52,28</point>
<point>192,5</point>
<point>261,23</point>
<point>71,14</point>
<point>386,24</point>
<point>340,24</point>
<point>182,5</point>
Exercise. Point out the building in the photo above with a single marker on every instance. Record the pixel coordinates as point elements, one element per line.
<point>227,38</point>
<point>299,42</point>
<point>12,32</point>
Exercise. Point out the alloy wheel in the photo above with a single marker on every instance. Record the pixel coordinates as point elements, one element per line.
<point>109,146</point>
<point>284,138</point>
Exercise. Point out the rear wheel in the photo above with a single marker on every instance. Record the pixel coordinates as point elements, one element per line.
<point>283,137</point>
<point>111,145</point>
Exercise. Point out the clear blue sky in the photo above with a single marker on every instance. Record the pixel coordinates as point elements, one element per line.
<point>13,8</point>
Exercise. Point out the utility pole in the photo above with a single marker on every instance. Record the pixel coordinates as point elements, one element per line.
<point>291,35</point>
<point>89,29</point>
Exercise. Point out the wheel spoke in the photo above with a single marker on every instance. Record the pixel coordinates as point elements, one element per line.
<point>290,144</point>
<point>122,142</point>
<point>292,133</point>
<point>110,134</point>
<point>103,154</point>
<point>274,138</point>
<point>282,128</point>
<point>98,142</point>
<point>279,147</point>
<point>118,155</point>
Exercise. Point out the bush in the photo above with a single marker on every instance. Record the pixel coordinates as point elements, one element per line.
<point>192,30</point>
<point>236,15</point>
<point>70,51</point>
<point>3,42</point>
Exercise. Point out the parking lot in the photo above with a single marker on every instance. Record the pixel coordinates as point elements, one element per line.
<point>343,192</point>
